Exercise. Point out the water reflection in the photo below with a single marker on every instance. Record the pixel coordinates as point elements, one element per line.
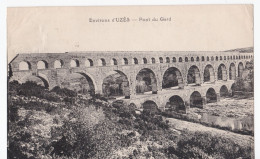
<point>246,123</point>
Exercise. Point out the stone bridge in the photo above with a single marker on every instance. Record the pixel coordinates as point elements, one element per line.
<point>190,78</point>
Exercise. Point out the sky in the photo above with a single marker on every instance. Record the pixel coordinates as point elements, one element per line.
<point>192,28</point>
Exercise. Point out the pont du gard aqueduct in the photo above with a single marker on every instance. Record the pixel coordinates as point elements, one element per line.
<point>167,80</point>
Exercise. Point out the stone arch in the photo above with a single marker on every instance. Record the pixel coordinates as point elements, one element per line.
<point>161,59</point>
<point>150,106</point>
<point>212,58</point>
<point>74,63</point>
<point>80,82</point>
<point>209,75</point>
<point>58,64</point>
<point>202,58</point>
<point>125,61</point>
<point>232,71</point>
<point>89,63</point>
<point>186,59</point>
<point>197,58</point>
<point>192,59</point>
<point>240,69</point>
<point>144,60</point>
<point>153,60</point>
<point>40,80</point>
<point>248,64</point>
<point>211,95</point>
<point>216,58</point>
<point>180,59</point>
<point>113,61</point>
<point>233,89</point>
<point>207,58</point>
<point>42,64</point>
<point>25,65</point>
<point>196,100</point>
<point>167,60</point>
<point>223,91</point>
<point>116,84</point>
<point>134,61</point>
<point>220,58</point>
<point>174,59</point>
<point>222,72</point>
<point>146,81</point>
<point>193,75</point>
<point>172,77</point>
<point>176,104</point>
<point>102,62</point>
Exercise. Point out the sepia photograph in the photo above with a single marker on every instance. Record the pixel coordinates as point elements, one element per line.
<point>131,82</point>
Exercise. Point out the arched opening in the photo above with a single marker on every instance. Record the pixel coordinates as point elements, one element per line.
<point>186,59</point>
<point>220,58</point>
<point>116,85</point>
<point>144,61</point>
<point>167,60</point>
<point>125,61</point>
<point>211,96</point>
<point>202,58</point>
<point>222,72</point>
<point>74,63</point>
<point>101,62</point>
<point>113,61</point>
<point>207,58</point>
<point>150,106</point>
<point>192,59</point>
<point>58,64</point>
<point>172,78</point>
<point>89,63</point>
<point>209,75</point>
<point>230,57</point>
<point>212,58</point>
<point>225,58</point>
<point>233,89</point>
<point>135,61</point>
<point>153,60</point>
<point>197,59</point>
<point>38,80</point>
<point>42,64</point>
<point>240,69</point>
<point>79,82</point>
<point>176,104</point>
<point>174,59</point>
<point>216,58</point>
<point>249,65</point>
<point>223,91</point>
<point>232,71</point>
<point>193,76</point>
<point>161,60</point>
<point>196,100</point>
<point>180,59</point>
<point>146,81</point>
<point>24,65</point>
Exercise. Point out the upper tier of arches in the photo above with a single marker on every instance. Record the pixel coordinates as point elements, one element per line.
<point>113,61</point>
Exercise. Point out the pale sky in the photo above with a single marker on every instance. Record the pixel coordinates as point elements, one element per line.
<point>192,28</point>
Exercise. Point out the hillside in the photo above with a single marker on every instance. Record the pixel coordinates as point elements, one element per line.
<point>63,124</point>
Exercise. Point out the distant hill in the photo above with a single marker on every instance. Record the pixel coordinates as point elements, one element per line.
<point>242,50</point>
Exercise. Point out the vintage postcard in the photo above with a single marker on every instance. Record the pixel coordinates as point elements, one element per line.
<point>131,82</point>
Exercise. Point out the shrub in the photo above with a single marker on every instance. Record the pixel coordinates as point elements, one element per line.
<point>64,92</point>
<point>203,145</point>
